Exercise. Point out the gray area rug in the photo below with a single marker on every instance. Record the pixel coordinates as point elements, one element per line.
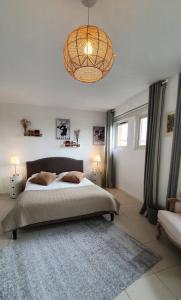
<point>83,260</point>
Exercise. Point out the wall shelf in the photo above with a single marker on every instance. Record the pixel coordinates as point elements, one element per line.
<point>35,136</point>
<point>68,147</point>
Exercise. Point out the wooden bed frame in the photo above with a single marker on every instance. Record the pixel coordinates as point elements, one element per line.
<point>57,165</point>
<point>54,164</point>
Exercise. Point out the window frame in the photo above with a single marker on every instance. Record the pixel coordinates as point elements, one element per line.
<point>116,138</point>
<point>137,139</point>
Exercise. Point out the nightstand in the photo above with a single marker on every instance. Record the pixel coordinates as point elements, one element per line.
<point>96,177</point>
<point>15,186</point>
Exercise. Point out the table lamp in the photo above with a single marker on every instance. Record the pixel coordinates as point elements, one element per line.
<point>15,162</point>
<point>98,160</point>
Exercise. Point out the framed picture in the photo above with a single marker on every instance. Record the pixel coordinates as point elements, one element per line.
<point>170,122</point>
<point>98,135</point>
<point>63,129</point>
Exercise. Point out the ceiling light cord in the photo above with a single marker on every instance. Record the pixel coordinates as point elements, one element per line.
<point>88,16</point>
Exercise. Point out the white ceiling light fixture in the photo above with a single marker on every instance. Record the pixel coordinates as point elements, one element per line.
<point>88,51</point>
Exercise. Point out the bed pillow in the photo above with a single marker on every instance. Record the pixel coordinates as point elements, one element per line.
<point>32,176</point>
<point>61,175</point>
<point>73,177</point>
<point>43,178</point>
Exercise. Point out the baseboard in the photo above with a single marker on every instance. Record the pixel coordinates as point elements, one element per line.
<point>130,195</point>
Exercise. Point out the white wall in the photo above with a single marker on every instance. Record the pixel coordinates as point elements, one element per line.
<point>128,160</point>
<point>12,141</point>
<point>137,100</point>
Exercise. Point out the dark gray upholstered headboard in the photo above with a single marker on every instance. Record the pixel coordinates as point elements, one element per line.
<point>53,164</point>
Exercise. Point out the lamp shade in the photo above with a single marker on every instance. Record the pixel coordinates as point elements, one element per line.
<point>98,158</point>
<point>14,160</point>
<point>88,53</point>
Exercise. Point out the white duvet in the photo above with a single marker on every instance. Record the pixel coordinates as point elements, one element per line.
<point>57,184</point>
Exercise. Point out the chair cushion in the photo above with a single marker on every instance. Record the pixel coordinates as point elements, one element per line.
<point>171,222</point>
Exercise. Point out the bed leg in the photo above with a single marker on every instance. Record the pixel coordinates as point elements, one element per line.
<point>112,216</point>
<point>15,234</point>
<point>158,234</point>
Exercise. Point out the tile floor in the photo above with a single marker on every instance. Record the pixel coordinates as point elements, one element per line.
<point>163,281</point>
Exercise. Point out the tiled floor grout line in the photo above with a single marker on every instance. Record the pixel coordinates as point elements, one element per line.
<point>127,294</point>
<point>166,268</point>
<point>150,241</point>
<point>170,267</point>
<point>167,287</point>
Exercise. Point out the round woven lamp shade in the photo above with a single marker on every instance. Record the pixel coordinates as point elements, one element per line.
<point>88,53</point>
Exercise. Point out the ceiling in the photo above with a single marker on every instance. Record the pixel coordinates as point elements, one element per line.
<point>145,36</point>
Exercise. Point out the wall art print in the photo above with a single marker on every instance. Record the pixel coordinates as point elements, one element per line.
<point>63,129</point>
<point>98,135</point>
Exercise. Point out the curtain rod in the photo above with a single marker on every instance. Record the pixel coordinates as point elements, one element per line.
<point>136,108</point>
<point>129,111</point>
<point>164,81</point>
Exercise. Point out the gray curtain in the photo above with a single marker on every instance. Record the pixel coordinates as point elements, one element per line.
<point>153,148</point>
<point>176,148</point>
<point>109,163</point>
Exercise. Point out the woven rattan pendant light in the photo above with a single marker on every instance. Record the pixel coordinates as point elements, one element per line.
<point>88,52</point>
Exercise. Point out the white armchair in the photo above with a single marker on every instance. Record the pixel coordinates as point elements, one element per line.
<point>170,222</point>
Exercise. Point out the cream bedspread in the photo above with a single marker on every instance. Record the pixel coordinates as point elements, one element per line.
<point>41,206</point>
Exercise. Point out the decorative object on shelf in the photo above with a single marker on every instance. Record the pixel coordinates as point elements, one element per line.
<point>98,160</point>
<point>98,135</point>
<point>88,51</point>
<point>63,129</point>
<point>15,162</point>
<point>25,124</point>
<point>35,132</point>
<point>71,144</point>
<point>170,123</point>
<point>77,134</point>
<point>15,186</point>
<point>29,132</point>
<point>67,143</point>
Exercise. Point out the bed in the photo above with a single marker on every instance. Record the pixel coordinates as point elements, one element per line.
<point>59,201</point>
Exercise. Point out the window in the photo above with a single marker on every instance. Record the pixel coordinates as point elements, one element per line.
<point>122,134</point>
<point>143,131</point>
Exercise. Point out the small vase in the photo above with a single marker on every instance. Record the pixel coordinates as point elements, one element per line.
<point>25,131</point>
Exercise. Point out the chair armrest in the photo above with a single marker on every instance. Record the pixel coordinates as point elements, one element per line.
<point>178,207</point>
<point>174,205</point>
<point>171,204</point>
